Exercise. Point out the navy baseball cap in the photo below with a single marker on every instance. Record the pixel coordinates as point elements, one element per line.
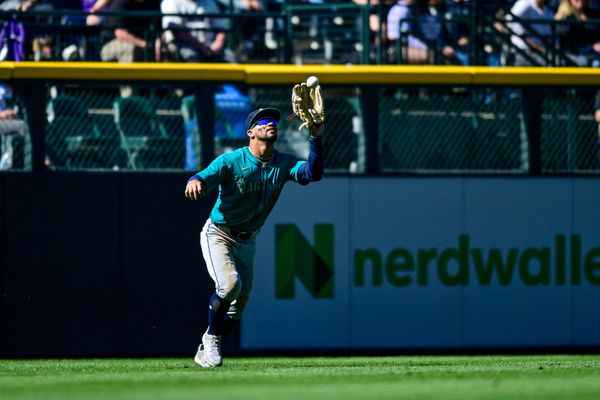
<point>262,113</point>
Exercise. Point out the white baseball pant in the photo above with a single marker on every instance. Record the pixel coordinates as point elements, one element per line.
<point>230,264</point>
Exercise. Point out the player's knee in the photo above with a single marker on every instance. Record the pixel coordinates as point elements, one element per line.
<point>236,310</point>
<point>232,287</point>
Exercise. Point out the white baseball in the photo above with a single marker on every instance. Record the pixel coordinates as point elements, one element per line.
<point>312,82</point>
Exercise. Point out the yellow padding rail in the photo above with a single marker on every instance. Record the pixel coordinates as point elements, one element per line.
<point>268,74</point>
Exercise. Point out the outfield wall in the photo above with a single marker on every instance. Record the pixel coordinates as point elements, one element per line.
<point>100,264</point>
<point>109,264</point>
<point>437,263</point>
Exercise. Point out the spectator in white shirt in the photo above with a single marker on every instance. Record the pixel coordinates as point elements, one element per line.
<point>193,38</point>
<point>533,38</point>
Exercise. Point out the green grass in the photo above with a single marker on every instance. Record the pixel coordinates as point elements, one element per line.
<point>419,377</point>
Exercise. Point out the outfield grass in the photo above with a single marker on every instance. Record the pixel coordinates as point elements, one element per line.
<point>419,377</point>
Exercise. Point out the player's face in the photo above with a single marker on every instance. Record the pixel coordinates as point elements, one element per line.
<point>265,130</point>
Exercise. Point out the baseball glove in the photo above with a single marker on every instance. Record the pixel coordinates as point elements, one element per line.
<point>307,104</point>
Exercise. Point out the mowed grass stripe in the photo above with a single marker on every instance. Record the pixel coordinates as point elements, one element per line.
<point>424,377</point>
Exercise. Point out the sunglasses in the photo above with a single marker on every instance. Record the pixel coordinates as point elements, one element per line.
<point>264,122</point>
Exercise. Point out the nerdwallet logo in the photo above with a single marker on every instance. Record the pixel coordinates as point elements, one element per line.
<point>563,262</point>
<point>295,257</point>
<point>560,263</point>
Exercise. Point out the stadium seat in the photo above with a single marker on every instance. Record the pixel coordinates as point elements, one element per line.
<point>143,137</point>
<point>74,139</point>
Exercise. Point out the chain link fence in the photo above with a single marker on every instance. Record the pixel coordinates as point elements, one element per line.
<point>96,127</point>
<point>421,129</point>
<point>569,132</point>
<point>138,128</point>
<point>449,130</point>
<point>483,130</point>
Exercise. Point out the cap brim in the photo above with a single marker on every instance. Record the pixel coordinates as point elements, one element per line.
<point>266,113</point>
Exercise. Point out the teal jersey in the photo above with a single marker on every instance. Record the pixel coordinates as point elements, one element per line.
<point>248,188</point>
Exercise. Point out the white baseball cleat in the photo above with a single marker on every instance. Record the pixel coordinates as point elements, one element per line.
<point>199,359</point>
<point>212,349</point>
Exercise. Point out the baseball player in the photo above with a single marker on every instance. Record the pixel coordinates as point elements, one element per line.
<point>250,181</point>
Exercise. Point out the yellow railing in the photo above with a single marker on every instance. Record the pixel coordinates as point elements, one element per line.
<point>266,74</point>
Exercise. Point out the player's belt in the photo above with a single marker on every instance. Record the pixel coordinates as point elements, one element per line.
<point>235,233</point>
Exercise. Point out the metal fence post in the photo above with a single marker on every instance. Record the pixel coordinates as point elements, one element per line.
<point>34,95</point>
<point>205,110</point>
<point>366,35</point>
<point>288,51</point>
<point>369,102</point>
<point>532,98</point>
<point>474,48</point>
<point>380,46</point>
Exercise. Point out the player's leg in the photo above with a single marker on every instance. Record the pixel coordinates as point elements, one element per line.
<point>217,251</point>
<point>244,261</point>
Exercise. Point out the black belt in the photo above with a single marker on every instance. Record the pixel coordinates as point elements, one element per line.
<point>234,232</point>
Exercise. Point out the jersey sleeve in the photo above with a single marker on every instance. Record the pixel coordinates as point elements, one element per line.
<point>311,170</point>
<point>213,175</point>
<point>294,176</point>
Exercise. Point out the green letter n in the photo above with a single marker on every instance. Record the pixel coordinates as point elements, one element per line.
<point>295,257</point>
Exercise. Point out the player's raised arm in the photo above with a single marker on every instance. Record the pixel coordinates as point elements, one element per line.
<point>307,103</point>
<point>312,170</point>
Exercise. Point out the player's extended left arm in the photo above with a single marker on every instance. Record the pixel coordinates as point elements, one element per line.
<point>202,182</point>
<point>312,170</point>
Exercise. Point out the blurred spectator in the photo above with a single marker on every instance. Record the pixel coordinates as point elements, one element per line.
<point>375,24</point>
<point>195,38</point>
<point>63,46</point>
<point>42,44</point>
<point>85,47</point>
<point>12,41</point>
<point>430,34</point>
<point>92,7</point>
<point>256,33</point>
<point>458,27</point>
<point>433,27</point>
<point>580,39</point>
<point>12,32</point>
<point>241,6</point>
<point>402,35</point>
<point>9,127</point>
<point>21,5</point>
<point>125,37</point>
<point>531,39</point>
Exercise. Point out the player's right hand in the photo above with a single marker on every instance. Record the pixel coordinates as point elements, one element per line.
<point>195,190</point>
